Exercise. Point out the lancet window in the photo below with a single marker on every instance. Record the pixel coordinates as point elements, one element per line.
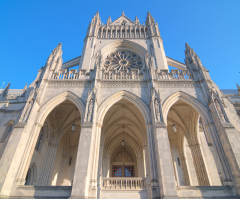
<point>123,60</point>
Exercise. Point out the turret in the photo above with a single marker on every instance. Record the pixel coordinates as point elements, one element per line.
<point>153,27</point>
<point>94,25</point>
<point>109,21</point>
<point>191,59</point>
<point>137,21</point>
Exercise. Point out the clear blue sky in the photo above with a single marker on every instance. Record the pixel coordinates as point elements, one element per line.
<point>30,30</point>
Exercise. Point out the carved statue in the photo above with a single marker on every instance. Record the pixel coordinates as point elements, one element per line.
<point>90,110</point>
<point>157,110</point>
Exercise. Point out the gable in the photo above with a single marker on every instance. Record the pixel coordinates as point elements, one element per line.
<point>122,19</point>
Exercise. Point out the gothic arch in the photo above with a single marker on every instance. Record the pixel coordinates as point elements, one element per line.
<point>58,99</point>
<point>44,111</point>
<point>31,175</point>
<point>8,125</point>
<point>107,104</point>
<point>195,103</point>
<point>132,46</point>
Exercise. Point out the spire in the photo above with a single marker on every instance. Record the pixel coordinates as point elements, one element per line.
<point>137,20</point>
<point>53,56</point>
<point>97,15</point>
<point>192,60</point>
<point>5,91</point>
<point>109,21</point>
<point>149,20</point>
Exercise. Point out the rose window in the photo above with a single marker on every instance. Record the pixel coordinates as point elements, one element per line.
<point>123,60</point>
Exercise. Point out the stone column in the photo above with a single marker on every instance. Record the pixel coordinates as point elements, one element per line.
<point>185,171</point>
<point>48,165</point>
<point>82,168</point>
<point>199,165</point>
<point>164,162</point>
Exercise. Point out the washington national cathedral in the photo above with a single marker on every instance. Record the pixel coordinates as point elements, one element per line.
<point>116,123</point>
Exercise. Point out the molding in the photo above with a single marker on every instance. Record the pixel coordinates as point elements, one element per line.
<point>10,111</point>
<point>123,84</point>
<point>191,84</point>
<point>70,83</point>
<point>20,125</point>
<point>160,125</point>
<point>87,125</point>
<point>204,187</point>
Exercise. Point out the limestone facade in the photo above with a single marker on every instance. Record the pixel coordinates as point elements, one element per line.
<point>121,125</point>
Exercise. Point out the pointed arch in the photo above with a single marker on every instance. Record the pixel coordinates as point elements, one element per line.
<point>126,44</point>
<point>58,99</point>
<point>193,102</point>
<point>31,175</point>
<point>111,100</point>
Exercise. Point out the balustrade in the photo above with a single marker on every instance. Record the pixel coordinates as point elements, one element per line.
<point>134,74</point>
<point>174,75</point>
<point>123,183</point>
<point>71,74</point>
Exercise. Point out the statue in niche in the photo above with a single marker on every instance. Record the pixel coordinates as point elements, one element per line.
<point>90,110</point>
<point>156,104</point>
<point>90,105</point>
<point>219,110</point>
<point>157,112</point>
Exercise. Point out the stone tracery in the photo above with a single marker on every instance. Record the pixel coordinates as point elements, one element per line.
<point>123,60</point>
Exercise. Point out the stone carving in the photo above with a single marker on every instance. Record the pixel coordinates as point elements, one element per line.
<point>123,156</point>
<point>179,84</point>
<point>157,112</point>
<point>90,110</point>
<point>156,104</point>
<point>123,84</point>
<point>148,60</point>
<point>219,110</point>
<point>28,107</point>
<point>67,84</point>
<point>90,105</point>
<point>26,111</point>
<point>238,87</point>
<point>5,91</point>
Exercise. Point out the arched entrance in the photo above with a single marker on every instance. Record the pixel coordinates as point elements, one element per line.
<point>124,153</point>
<point>194,157</point>
<point>55,150</point>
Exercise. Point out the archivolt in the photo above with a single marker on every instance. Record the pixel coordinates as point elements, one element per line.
<point>107,104</point>
<point>196,104</point>
<point>55,101</point>
<point>123,44</point>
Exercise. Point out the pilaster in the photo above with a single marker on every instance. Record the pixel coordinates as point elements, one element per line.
<point>164,162</point>
<point>82,169</point>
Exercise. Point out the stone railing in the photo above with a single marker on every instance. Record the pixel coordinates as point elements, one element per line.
<point>132,183</point>
<point>174,75</point>
<point>128,31</point>
<point>71,74</point>
<point>134,74</point>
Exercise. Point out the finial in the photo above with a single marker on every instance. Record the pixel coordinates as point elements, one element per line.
<point>123,14</point>
<point>238,87</point>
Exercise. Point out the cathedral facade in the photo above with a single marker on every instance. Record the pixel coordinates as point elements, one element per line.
<point>121,125</point>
